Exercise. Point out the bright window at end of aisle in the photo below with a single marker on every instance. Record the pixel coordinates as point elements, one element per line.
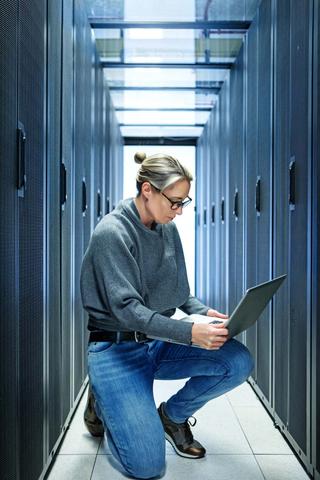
<point>186,222</point>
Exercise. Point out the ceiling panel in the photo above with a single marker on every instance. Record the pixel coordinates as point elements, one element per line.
<point>173,10</point>
<point>160,99</point>
<point>165,87</point>
<point>161,131</point>
<point>163,118</point>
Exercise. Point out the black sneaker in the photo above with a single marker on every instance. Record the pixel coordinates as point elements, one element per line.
<point>180,436</point>
<point>91,419</point>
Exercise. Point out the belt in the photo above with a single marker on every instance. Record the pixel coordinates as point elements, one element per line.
<point>117,337</point>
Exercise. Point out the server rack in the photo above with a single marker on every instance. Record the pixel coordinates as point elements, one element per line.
<point>9,365</point>
<point>291,334</point>
<point>31,78</point>
<point>223,197</point>
<point>52,326</point>
<point>200,220</point>
<point>46,153</point>
<point>206,197</point>
<point>315,293</point>
<point>235,180</point>
<point>258,176</point>
<point>281,207</point>
<point>213,181</point>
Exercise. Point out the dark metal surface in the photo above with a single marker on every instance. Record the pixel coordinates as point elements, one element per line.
<point>9,368</point>
<point>53,376</point>
<point>315,339</point>
<point>31,78</point>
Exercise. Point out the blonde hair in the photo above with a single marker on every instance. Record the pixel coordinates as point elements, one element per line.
<point>160,170</point>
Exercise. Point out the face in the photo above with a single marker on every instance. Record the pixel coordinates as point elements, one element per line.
<point>159,207</point>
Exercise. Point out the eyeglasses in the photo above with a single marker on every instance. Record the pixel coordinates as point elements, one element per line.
<point>176,205</point>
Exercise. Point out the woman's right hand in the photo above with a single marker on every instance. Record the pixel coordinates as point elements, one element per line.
<point>209,336</point>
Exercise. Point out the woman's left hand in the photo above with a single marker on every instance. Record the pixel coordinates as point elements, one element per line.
<point>215,313</point>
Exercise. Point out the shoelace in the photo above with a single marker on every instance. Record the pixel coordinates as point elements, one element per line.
<point>190,423</point>
<point>188,433</point>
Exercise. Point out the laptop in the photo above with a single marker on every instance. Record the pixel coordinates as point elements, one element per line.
<point>248,309</point>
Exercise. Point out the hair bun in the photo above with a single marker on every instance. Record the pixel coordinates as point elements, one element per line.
<point>139,157</point>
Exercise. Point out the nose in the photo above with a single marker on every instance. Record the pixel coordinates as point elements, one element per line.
<point>179,211</point>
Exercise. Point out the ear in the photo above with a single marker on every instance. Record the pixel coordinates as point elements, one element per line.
<point>146,189</point>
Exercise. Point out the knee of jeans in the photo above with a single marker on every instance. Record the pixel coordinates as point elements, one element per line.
<point>244,363</point>
<point>151,467</point>
<point>149,463</point>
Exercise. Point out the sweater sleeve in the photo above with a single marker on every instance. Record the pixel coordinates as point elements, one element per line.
<point>193,305</point>
<point>117,279</point>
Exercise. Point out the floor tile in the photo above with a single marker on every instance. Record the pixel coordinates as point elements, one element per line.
<point>284,467</point>
<point>258,427</point>
<point>77,439</point>
<point>218,429</point>
<point>231,428</point>
<point>71,467</point>
<point>243,396</point>
<point>222,467</point>
<point>104,469</point>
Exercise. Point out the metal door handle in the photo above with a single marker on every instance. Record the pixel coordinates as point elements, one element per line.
<point>222,210</point>
<point>99,212</point>
<point>236,204</point>
<point>258,195</point>
<point>213,213</point>
<point>84,197</point>
<point>21,147</point>
<point>63,184</point>
<point>292,183</point>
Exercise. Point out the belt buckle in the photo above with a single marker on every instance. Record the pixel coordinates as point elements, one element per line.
<point>140,337</point>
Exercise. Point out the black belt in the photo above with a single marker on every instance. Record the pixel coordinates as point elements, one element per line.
<point>117,337</point>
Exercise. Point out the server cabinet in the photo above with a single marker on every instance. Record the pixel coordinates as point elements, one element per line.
<point>67,202</point>
<point>315,378</point>
<point>235,179</point>
<point>31,79</point>
<point>197,218</point>
<point>213,180</point>
<point>205,193</point>
<point>252,174</point>
<point>222,196</point>
<point>259,187</point>
<point>291,336</point>
<point>9,366</point>
<point>84,87</point>
<point>106,177</point>
<point>52,375</point>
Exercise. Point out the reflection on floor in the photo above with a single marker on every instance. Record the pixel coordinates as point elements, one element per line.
<point>238,434</point>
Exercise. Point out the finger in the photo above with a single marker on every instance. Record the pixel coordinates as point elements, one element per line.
<point>219,325</point>
<point>221,315</point>
<point>220,330</point>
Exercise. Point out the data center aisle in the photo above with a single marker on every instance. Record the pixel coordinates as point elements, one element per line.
<point>238,434</point>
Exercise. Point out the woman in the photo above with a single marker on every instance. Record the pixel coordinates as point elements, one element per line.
<point>133,278</point>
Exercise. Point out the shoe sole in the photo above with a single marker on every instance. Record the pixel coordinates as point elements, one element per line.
<point>181,454</point>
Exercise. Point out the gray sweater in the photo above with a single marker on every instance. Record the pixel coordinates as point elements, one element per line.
<point>134,277</point>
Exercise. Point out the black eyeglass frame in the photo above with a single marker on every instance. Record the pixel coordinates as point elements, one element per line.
<point>178,204</point>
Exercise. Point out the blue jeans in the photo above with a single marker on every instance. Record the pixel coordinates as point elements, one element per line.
<point>122,375</point>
